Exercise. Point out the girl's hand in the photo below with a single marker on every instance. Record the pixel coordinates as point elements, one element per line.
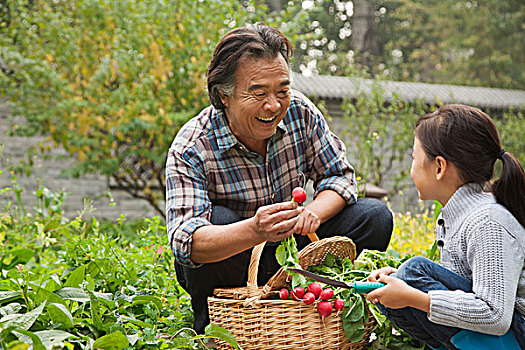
<point>374,275</point>
<point>397,294</point>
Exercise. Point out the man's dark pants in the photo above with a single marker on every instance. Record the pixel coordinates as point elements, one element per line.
<point>368,223</point>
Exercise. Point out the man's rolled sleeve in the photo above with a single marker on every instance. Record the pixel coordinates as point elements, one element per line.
<point>187,204</point>
<point>183,239</point>
<point>342,185</point>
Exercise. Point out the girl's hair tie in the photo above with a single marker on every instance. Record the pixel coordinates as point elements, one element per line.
<point>500,154</point>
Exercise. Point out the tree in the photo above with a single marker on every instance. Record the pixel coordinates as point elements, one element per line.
<point>113,81</point>
<point>438,41</point>
<point>470,43</point>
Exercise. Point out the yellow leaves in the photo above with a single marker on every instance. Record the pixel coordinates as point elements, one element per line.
<point>49,58</point>
<point>100,121</point>
<point>161,66</point>
<point>81,156</point>
<point>413,233</point>
<point>147,117</point>
<point>181,28</point>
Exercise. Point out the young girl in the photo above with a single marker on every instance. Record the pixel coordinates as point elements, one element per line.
<point>475,298</point>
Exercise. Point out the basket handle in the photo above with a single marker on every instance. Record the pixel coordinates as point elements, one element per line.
<point>253,268</point>
<point>313,237</point>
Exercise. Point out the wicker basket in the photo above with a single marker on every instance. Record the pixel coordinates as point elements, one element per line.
<point>260,323</point>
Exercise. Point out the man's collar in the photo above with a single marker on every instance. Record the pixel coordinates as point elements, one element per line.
<point>224,136</point>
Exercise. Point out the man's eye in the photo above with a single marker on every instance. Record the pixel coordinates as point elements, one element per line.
<point>283,93</point>
<point>259,94</point>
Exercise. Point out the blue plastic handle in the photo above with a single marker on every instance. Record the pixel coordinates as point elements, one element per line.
<point>366,287</point>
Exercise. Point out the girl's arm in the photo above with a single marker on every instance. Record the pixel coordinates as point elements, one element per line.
<point>397,294</point>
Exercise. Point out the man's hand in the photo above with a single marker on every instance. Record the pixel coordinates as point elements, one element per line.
<point>308,222</point>
<point>276,222</point>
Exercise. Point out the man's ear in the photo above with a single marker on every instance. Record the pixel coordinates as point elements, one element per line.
<point>441,167</point>
<point>225,99</point>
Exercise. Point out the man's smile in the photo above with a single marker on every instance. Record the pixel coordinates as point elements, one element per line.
<point>266,119</point>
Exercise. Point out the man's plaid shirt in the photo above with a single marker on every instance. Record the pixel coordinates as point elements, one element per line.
<point>208,166</point>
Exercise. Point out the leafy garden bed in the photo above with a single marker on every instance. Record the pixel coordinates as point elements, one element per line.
<point>85,284</point>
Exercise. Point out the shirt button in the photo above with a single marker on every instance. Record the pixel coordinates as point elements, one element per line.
<point>441,222</point>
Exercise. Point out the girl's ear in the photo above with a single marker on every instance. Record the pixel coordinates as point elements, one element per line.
<point>441,167</point>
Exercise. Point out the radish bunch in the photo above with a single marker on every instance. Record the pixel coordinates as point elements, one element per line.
<point>314,292</point>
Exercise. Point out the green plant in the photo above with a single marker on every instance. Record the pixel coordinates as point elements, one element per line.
<point>379,134</point>
<point>511,128</point>
<point>68,284</point>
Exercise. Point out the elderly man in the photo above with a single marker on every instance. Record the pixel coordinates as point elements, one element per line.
<point>231,171</point>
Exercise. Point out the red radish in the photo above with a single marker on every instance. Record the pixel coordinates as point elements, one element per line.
<point>298,293</point>
<point>339,304</point>
<point>283,294</point>
<point>309,298</point>
<point>325,309</point>
<point>326,294</point>
<point>315,289</point>
<point>299,195</point>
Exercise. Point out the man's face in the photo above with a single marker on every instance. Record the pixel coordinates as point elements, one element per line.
<point>260,100</point>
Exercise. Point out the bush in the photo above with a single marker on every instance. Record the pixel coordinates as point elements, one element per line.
<point>72,284</point>
<point>380,135</point>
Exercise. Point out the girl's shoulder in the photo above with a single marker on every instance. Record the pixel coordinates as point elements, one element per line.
<point>499,214</point>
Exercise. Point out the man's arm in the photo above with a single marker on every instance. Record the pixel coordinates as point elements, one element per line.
<point>217,242</point>
<point>326,205</point>
<point>333,176</point>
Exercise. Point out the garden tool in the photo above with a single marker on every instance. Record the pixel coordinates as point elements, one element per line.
<point>358,287</point>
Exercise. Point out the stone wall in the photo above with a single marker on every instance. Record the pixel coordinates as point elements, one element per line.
<point>49,173</point>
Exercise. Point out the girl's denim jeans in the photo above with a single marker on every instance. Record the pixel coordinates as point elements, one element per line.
<point>426,275</point>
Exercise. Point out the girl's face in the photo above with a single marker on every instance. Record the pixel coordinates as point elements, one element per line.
<point>423,172</point>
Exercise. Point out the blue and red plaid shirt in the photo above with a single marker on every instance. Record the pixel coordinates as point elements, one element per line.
<point>208,166</point>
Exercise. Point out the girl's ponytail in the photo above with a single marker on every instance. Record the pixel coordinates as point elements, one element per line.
<point>509,189</point>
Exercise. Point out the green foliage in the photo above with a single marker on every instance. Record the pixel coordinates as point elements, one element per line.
<point>439,41</point>
<point>69,284</point>
<point>511,128</point>
<point>74,283</point>
<point>358,308</point>
<point>450,42</point>
<point>113,81</point>
<point>380,133</point>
